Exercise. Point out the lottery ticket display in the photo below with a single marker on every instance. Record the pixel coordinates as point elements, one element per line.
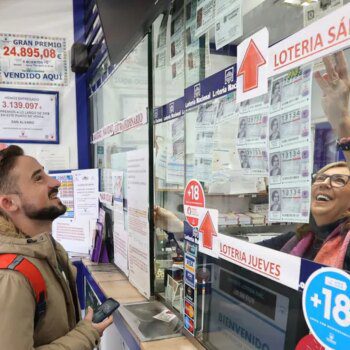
<point>289,146</point>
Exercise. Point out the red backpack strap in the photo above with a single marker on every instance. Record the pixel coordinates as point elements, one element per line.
<point>20,264</point>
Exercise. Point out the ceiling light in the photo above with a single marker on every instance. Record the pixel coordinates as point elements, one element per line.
<point>292,2</point>
<point>300,2</point>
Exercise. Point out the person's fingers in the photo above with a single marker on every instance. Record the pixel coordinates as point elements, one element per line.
<point>332,74</point>
<point>104,324</point>
<point>155,211</point>
<point>341,65</point>
<point>325,77</point>
<point>321,81</point>
<point>108,321</point>
<point>89,314</point>
<point>161,211</point>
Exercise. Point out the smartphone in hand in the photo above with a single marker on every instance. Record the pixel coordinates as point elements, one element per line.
<point>105,309</point>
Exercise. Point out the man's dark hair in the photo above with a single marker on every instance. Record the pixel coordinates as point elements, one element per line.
<point>8,157</point>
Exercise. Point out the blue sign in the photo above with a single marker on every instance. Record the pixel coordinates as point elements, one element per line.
<point>189,324</point>
<point>326,306</point>
<point>158,115</point>
<point>190,262</point>
<point>189,278</point>
<point>217,85</point>
<point>169,111</point>
<point>191,248</point>
<point>307,268</point>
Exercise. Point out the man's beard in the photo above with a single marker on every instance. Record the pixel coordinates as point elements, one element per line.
<point>45,214</point>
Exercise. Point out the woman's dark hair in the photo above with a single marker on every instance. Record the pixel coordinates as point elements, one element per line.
<point>242,121</point>
<point>275,156</point>
<point>274,193</point>
<point>273,121</point>
<point>277,83</point>
<point>8,157</point>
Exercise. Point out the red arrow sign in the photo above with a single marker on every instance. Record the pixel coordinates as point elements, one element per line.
<point>249,68</point>
<point>208,231</point>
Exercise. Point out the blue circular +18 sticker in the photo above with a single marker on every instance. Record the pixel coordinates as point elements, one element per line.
<point>326,306</point>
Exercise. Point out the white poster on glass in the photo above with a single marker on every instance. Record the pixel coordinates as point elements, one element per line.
<point>86,194</point>
<point>205,16</point>
<point>54,158</point>
<point>138,224</point>
<point>74,235</point>
<point>120,234</point>
<point>228,22</point>
<point>289,138</point>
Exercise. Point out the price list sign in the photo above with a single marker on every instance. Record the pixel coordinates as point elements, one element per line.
<point>326,306</point>
<point>33,60</point>
<point>28,116</point>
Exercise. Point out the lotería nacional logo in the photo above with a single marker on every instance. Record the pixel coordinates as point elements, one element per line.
<point>197,90</point>
<point>229,75</point>
<point>155,113</point>
<point>171,107</point>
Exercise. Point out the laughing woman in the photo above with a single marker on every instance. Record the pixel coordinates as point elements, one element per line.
<point>326,238</point>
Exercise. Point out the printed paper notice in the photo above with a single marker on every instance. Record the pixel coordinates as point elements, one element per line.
<point>251,138</point>
<point>194,62</point>
<point>228,26</point>
<point>290,153</point>
<point>52,159</point>
<point>74,235</point>
<point>175,151</point>
<point>86,194</point>
<point>120,235</point>
<point>205,16</point>
<point>203,158</point>
<point>138,225</point>
<point>289,204</point>
<point>28,116</point>
<point>161,43</point>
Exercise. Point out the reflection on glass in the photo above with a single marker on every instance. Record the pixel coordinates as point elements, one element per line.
<point>238,310</point>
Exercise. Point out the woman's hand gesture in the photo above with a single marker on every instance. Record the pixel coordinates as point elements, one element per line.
<point>335,85</point>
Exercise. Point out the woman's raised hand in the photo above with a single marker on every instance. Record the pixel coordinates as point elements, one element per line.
<point>335,86</point>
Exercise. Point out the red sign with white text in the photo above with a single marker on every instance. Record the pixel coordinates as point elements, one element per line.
<point>194,198</point>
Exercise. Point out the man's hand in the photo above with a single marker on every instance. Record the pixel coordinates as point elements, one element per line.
<point>335,85</point>
<point>100,327</point>
<point>168,221</point>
